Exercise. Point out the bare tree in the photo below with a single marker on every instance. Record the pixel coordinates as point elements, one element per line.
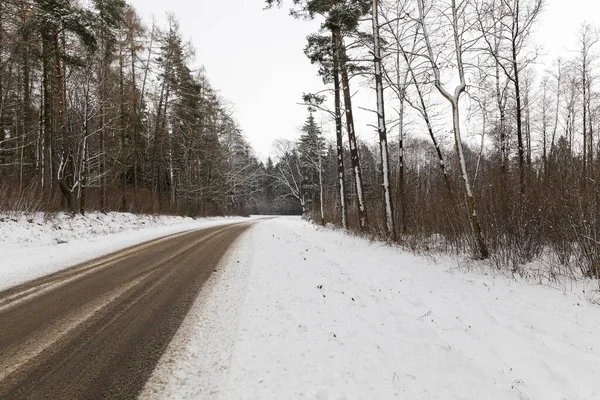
<point>587,38</point>
<point>381,127</point>
<point>457,26</point>
<point>506,26</point>
<point>396,27</point>
<point>288,176</point>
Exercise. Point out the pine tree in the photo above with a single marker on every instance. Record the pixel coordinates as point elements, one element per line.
<point>341,18</point>
<point>53,21</point>
<point>108,17</point>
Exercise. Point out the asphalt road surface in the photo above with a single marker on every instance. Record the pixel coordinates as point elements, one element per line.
<point>97,330</point>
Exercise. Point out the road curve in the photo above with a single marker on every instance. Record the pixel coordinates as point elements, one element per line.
<point>97,330</point>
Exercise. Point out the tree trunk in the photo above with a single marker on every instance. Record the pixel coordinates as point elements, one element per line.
<point>123,128</point>
<point>381,128</point>
<point>84,166</point>
<point>401,185</point>
<point>472,210</point>
<point>588,136</point>
<point>46,152</point>
<point>339,134</point>
<point>501,103</point>
<point>321,200</point>
<point>134,128</point>
<point>356,170</point>
<point>65,173</point>
<point>28,116</point>
<point>521,150</point>
<point>545,128</point>
<point>2,95</point>
<point>102,94</point>
<point>155,177</point>
<point>454,100</point>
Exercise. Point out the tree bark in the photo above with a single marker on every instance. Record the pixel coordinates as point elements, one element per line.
<point>66,170</point>
<point>519,110</point>
<point>354,158</point>
<point>472,210</point>
<point>381,128</point>
<point>123,128</point>
<point>339,133</point>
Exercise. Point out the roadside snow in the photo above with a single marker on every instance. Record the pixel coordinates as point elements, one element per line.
<point>297,311</point>
<point>195,365</point>
<point>35,246</point>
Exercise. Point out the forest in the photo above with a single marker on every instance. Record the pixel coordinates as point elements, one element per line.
<point>101,112</point>
<point>479,150</point>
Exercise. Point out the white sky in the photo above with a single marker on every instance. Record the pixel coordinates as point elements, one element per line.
<point>255,57</point>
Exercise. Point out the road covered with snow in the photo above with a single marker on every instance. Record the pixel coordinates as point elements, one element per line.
<point>297,311</point>
<point>98,330</point>
<point>36,245</point>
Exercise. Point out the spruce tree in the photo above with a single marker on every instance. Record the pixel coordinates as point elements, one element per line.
<point>310,149</point>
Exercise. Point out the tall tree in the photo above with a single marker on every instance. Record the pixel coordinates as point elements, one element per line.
<point>109,16</point>
<point>341,17</point>
<point>321,50</point>
<point>310,153</point>
<point>457,27</point>
<point>587,38</point>
<point>381,126</point>
<point>54,20</point>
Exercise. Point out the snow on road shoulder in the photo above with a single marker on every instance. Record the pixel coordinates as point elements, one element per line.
<point>313,313</point>
<point>35,246</point>
<point>195,364</point>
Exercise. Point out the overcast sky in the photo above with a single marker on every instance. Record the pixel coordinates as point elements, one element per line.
<point>255,57</point>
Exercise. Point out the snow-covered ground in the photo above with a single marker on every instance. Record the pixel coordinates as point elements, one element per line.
<point>34,245</point>
<point>297,311</point>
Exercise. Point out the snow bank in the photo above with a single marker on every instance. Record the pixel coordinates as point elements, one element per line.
<point>297,311</point>
<point>33,246</point>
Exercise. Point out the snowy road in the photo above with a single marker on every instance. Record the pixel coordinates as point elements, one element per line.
<point>98,329</point>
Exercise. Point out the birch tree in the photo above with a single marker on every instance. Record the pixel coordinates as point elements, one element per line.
<point>456,15</point>
<point>381,126</point>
